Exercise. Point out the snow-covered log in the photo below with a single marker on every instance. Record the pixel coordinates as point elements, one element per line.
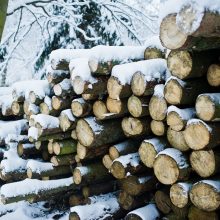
<point>116,106</point>
<point>64,88</point>
<point>80,107</point>
<point>47,108</point>
<point>67,120</point>
<point>59,103</point>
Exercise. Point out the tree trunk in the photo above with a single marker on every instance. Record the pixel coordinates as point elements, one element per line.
<point>170,166</point>
<point>205,195</point>
<point>186,64</point>
<point>117,106</point>
<point>67,120</point>
<point>158,128</point>
<point>116,90</point>
<point>92,133</point>
<point>195,214</point>
<point>213,75</point>
<point>208,106</point>
<point>81,108</point>
<point>133,127</point>
<point>205,163</point>
<point>59,103</point>
<point>149,149</point>
<point>200,135</point>
<point>67,146</point>
<point>138,106</point>
<point>177,140</point>
<point>63,160</point>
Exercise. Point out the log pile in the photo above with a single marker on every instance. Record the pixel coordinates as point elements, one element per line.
<point>111,134</point>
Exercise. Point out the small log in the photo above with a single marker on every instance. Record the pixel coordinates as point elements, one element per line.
<point>133,127</point>
<point>137,185</point>
<point>107,161</point>
<point>12,175</point>
<point>41,145</point>
<point>63,88</point>
<point>213,75</point>
<point>89,97</point>
<point>116,90</point>
<point>153,53</point>
<point>81,108</point>
<point>159,128</point>
<point>148,212</point>
<point>177,118</point>
<point>92,133</point>
<point>177,92</point>
<point>47,108</point>
<point>50,147</point>
<point>90,153</point>
<point>195,214</point>
<point>56,76</point>
<point>205,195</point>
<point>117,106</point>
<point>35,98</point>
<point>56,136</point>
<point>67,146</point>
<point>208,106</point>
<point>138,106</point>
<point>89,175</point>
<point>200,135</point>
<point>158,104</point>
<point>67,120</point>
<point>186,64</point>
<point>149,149</point>
<point>141,86</point>
<point>27,150</point>
<point>96,87</point>
<point>126,165</point>
<point>205,163</point>
<point>123,148</point>
<point>59,103</point>
<point>63,160</point>
<point>100,188</point>
<point>177,139</point>
<point>170,166</point>
<point>17,108</point>
<point>179,194</point>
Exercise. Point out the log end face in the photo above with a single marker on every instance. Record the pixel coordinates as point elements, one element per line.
<point>158,128</point>
<point>118,170</point>
<point>138,84</point>
<point>77,176</point>
<point>134,106</point>
<point>78,85</point>
<point>55,146</point>
<point>131,126</point>
<point>29,173</point>
<point>147,154</point>
<point>213,75</point>
<point>77,109</point>
<point>174,121</point>
<point>114,88</point>
<point>113,152</point>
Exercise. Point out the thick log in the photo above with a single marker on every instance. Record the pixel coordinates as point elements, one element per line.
<point>153,53</point>
<point>205,163</point>
<point>81,108</point>
<point>178,92</point>
<point>63,160</point>
<point>92,133</point>
<point>213,75</point>
<point>137,185</point>
<point>158,104</point>
<point>90,153</point>
<point>159,128</point>
<point>200,135</point>
<point>133,127</point>
<point>195,214</point>
<point>117,106</point>
<point>186,64</point>
<point>116,90</point>
<point>89,175</point>
<point>63,88</point>
<point>97,86</point>
<point>67,120</point>
<point>126,165</point>
<point>170,166</point>
<point>17,108</point>
<point>148,212</point>
<point>100,188</point>
<point>179,194</point>
<point>205,195</point>
<point>177,118</point>
<point>107,161</point>
<point>56,76</point>
<point>67,146</point>
<point>138,106</point>
<point>142,86</point>
<point>172,38</point>
<point>123,148</point>
<point>149,149</point>
<point>59,103</point>
<point>27,150</point>
<point>208,106</point>
<point>177,139</point>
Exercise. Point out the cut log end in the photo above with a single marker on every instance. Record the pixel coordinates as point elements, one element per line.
<point>138,84</point>
<point>213,75</point>
<point>114,88</point>
<point>29,173</point>
<point>158,127</point>
<point>113,152</point>
<point>44,108</point>
<point>77,176</point>
<point>56,148</point>
<point>56,103</point>
<point>99,109</point>
<point>78,85</point>
<point>174,121</point>
<point>16,108</point>
<point>57,89</point>
<point>132,126</point>
<point>153,53</point>
<point>77,109</point>
<point>118,170</point>
<point>65,123</point>
<point>107,161</point>
<point>114,106</point>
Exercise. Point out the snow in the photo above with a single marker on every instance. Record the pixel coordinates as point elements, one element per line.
<point>148,212</point>
<point>214,183</point>
<point>48,102</point>
<point>15,138</point>
<point>215,97</point>
<point>39,166</point>
<point>177,155</point>
<point>28,145</point>
<point>5,91</point>
<point>96,127</point>
<point>122,146</point>
<point>186,187</point>
<point>83,170</point>
<point>154,42</point>
<point>34,109</point>
<point>33,133</point>
<point>66,84</point>
<point>184,114</point>
<point>56,73</point>
<point>152,69</point>
<point>198,121</point>
<point>46,121</point>
<point>101,207</point>
<point>159,91</point>
<point>144,179</point>
<point>69,114</point>
<point>32,186</point>
<point>181,82</point>
<point>157,143</point>
<point>6,103</point>
<point>132,159</point>
<point>80,100</point>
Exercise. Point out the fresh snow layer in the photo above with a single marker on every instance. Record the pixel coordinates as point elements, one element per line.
<point>184,114</point>
<point>5,91</point>
<point>46,121</point>
<point>122,146</point>
<point>181,82</point>
<point>197,121</point>
<point>157,143</point>
<point>186,187</point>
<point>6,102</point>
<point>33,133</point>
<point>177,155</point>
<point>101,207</point>
<point>39,166</point>
<point>96,127</point>
<point>154,42</point>
<point>159,91</point>
<point>152,69</point>
<point>215,97</point>
<point>148,212</point>
<point>214,183</point>
<point>69,114</point>
<point>132,159</point>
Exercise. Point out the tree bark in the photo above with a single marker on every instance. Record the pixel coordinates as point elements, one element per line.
<point>67,146</point>
<point>27,150</point>
<point>195,214</point>
<point>57,76</point>
<point>59,103</point>
<point>63,160</point>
